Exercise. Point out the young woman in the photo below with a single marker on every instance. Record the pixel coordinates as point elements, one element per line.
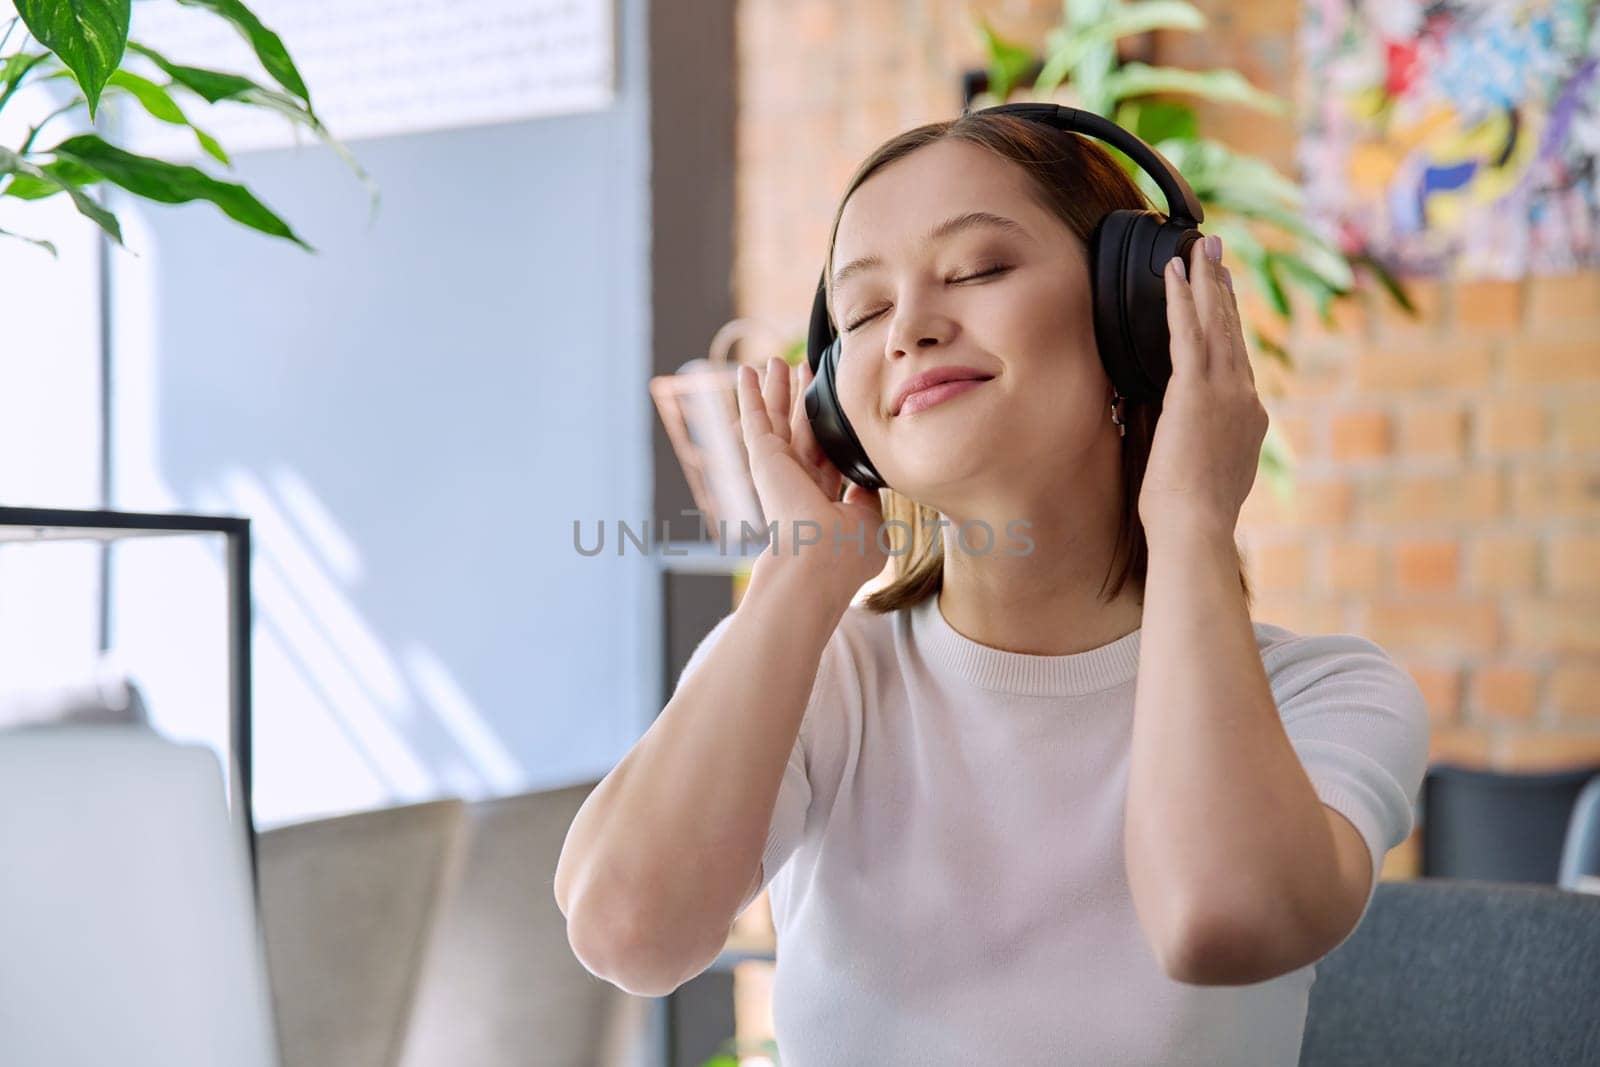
<point>1056,801</point>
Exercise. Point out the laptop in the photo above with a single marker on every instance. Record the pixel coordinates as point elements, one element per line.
<point>128,927</point>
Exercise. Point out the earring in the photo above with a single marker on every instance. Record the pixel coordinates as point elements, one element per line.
<point>1116,416</point>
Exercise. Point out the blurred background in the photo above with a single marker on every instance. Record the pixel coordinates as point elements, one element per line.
<point>522,213</point>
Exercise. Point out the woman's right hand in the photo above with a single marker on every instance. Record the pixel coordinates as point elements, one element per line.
<point>798,485</point>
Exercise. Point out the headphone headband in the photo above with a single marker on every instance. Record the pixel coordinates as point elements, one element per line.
<point>1182,204</point>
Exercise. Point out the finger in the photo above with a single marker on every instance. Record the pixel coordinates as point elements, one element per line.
<point>775,391</point>
<point>1241,350</point>
<point>753,421</point>
<point>805,443</point>
<point>1183,324</point>
<point>1208,298</point>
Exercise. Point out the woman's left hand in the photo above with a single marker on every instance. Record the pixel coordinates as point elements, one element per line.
<point>1208,438</point>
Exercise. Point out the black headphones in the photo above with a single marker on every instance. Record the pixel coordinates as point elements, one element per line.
<point>1128,252</point>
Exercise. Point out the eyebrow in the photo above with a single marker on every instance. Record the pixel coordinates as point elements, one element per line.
<point>952,225</point>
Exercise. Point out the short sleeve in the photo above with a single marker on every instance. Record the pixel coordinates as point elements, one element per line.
<point>1359,724</point>
<point>794,791</point>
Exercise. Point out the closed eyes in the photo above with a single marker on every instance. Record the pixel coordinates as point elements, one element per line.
<point>998,268</point>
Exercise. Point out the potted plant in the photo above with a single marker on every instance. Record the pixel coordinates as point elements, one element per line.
<point>85,48</point>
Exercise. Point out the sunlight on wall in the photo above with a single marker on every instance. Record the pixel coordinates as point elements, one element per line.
<point>340,724</point>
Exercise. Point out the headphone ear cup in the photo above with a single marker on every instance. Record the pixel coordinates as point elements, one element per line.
<point>832,430</point>
<point>1129,251</point>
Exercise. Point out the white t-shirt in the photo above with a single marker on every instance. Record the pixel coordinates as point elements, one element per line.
<point>945,857</point>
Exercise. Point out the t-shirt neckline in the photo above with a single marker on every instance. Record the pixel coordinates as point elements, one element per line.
<point>1022,673</point>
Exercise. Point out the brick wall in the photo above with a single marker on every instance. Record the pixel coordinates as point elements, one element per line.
<point>1448,484</point>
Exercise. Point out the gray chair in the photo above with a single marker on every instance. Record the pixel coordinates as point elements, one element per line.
<point>1471,974</point>
<point>502,987</point>
<point>1486,825</point>
<point>348,905</point>
<point>1580,853</point>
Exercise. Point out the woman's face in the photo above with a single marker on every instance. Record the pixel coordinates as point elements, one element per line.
<point>1009,302</point>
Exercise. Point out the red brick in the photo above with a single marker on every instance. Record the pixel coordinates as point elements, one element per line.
<point>1462,365</point>
<point>1473,496</point>
<point>1567,490</point>
<point>1299,614</point>
<point>1462,746</point>
<point>1352,567</point>
<point>1392,321</point>
<point>1505,690</point>
<point>1557,299</point>
<point>1441,688</point>
<point>1488,307</point>
<point>1280,566</point>
<point>1541,361</point>
<point>1575,688</point>
<point>1504,563</point>
<point>1430,564</point>
<point>1355,435</point>
<point>1434,431</point>
<point>1554,626</point>
<point>1578,425</point>
<point>1575,564</point>
<point>1298,431</point>
<point>1313,501</point>
<point>1435,625</point>
<point>1507,426</point>
<point>1549,751</point>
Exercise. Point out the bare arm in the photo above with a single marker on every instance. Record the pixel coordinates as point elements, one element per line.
<point>665,851</point>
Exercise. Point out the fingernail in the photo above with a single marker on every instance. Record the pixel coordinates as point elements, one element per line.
<point>1183,269</point>
<point>1213,248</point>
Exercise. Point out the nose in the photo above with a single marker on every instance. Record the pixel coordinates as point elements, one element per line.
<point>917,326</point>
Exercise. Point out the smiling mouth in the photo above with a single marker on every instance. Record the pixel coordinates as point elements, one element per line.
<point>923,399</point>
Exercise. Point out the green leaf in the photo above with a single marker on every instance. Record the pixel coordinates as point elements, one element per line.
<point>159,103</point>
<point>1229,86</point>
<point>14,68</point>
<point>11,163</point>
<point>1387,280</point>
<point>1295,268</point>
<point>169,183</point>
<point>267,45</point>
<point>59,174</point>
<point>1269,346</point>
<point>1155,121</point>
<point>216,85</point>
<point>293,110</point>
<point>1262,268</point>
<point>88,35</point>
<point>46,245</point>
<point>211,85</point>
<point>1008,63</point>
<point>1277,464</point>
<point>1133,19</point>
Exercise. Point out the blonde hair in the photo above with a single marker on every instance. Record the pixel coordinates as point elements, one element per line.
<point>1080,182</point>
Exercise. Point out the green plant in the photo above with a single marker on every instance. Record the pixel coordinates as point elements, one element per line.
<point>84,44</point>
<point>728,1053</point>
<point>1256,209</point>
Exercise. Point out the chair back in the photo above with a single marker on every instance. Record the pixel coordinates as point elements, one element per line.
<point>1493,826</point>
<point>349,905</point>
<point>1471,974</point>
<point>1580,853</point>
<point>502,987</point>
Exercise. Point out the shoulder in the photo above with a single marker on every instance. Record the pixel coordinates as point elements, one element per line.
<point>1338,672</point>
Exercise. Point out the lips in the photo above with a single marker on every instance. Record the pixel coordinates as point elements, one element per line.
<point>935,376</point>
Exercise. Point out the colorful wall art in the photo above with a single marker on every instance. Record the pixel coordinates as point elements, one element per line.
<point>1456,136</point>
